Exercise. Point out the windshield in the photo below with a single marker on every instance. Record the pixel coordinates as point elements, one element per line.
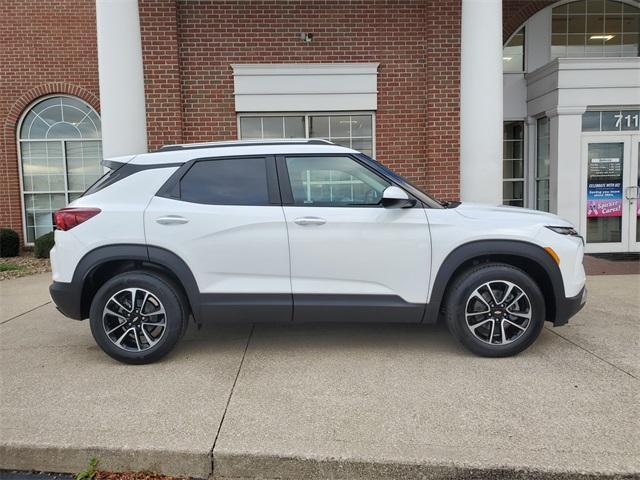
<point>417,192</point>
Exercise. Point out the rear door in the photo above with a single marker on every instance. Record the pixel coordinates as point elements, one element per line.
<point>223,217</point>
<point>351,258</point>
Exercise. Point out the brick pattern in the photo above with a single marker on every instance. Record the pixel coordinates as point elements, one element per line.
<point>47,47</point>
<point>415,41</point>
<point>160,44</point>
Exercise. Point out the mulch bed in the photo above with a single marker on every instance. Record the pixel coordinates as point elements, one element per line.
<point>22,266</point>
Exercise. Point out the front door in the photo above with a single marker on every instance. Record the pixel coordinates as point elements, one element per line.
<point>351,258</point>
<point>610,193</point>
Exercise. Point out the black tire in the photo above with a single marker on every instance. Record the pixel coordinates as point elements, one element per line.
<point>487,342</point>
<point>164,297</point>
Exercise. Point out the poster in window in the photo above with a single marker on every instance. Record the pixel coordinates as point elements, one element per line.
<point>604,188</point>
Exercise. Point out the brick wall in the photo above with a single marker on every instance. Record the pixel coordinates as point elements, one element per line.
<point>415,41</point>
<point>45,47</point>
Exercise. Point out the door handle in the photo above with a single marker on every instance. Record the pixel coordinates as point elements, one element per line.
<point>304,221</point>
<point>172,220</point>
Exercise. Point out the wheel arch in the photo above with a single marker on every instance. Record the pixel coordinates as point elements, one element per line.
<point>102,263</point>
<point>531,258</point>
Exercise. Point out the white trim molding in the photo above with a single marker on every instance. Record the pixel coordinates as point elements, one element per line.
<point>305,87</point>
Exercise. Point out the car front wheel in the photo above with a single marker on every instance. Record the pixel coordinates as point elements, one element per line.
<point>138,317</point>
<point>495,310</point>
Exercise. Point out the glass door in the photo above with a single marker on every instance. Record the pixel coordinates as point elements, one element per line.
<point>610,189</point>
<point>632,196</point>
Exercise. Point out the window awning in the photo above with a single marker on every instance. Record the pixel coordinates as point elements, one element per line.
<point>305,87</point>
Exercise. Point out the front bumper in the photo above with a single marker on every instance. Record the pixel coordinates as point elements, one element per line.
<point>568,307</point>
<point>67,298</point>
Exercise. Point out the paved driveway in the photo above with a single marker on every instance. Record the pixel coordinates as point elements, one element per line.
<point>324,401</point>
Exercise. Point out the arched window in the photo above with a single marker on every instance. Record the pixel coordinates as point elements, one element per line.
<point>595,28</point>
<point>60,152</point>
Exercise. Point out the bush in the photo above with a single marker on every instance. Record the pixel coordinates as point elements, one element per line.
<point>43,244</point>
<point>9,243</point>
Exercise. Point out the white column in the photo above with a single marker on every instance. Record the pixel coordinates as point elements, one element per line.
<point>481,102</point>
<point>122,101</point>
<point>565,181</point>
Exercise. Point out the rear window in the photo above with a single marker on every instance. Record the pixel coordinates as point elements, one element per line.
<point>114,174</point>
<point>236,181</point>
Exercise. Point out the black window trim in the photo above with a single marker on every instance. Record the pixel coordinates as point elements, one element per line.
<point>171,188</point>
<point>287,193</point>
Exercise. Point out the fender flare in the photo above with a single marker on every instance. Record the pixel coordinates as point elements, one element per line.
<point>159,257</point>
<point>494,248</point>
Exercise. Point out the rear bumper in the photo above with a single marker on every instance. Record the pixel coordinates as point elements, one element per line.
<point>67,298</point>
<point>568,307</point>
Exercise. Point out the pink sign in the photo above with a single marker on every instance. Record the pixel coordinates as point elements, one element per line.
<point>604,208</point>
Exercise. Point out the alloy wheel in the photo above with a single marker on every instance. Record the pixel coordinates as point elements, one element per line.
<point>134,319</point>
<point>498,312</point>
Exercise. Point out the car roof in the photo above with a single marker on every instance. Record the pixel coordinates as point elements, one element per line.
<point>185,152</point>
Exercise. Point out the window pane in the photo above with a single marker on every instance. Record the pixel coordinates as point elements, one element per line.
<point>513,53</point>
<point>319,127</point>
<point>577,7</point>
<point>542,164</point>
<point>83,164</point>
<point>591,122</point>
<point>333,181</point>
<point>339,126</point>
<point>241,181</point>
<point>250,128</point>
<point>294,127</point>
<point>513,164</point>
<point>361,126</point>
<point>595,6</point>
<point>272,127</point>
<point>513,193</point>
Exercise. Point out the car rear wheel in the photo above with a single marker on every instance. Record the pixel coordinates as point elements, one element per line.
<point>138,317</point>
<point>495,310</point>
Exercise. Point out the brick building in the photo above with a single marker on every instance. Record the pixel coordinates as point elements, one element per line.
<point>516,102</point>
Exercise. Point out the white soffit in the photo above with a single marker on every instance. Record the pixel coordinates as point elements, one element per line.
<point>305,87</point>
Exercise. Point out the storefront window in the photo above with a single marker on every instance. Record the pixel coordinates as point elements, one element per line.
<point>349,130</point>
<point>513,164</point>
<point>595,28</point>
<point>60,154</point>
<point>513,53</point>
<point>543,148</point>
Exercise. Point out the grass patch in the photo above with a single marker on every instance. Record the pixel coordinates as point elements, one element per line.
<point>10,267</point>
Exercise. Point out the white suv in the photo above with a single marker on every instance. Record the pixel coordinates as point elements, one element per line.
<point>298,231</point>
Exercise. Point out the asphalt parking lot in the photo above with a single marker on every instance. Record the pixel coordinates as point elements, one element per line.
<point>325,400</point>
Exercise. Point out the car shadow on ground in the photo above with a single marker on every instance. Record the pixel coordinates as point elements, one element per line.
<point>328,337</point>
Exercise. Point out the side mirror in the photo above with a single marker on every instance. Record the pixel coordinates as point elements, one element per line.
<point>395,197</point>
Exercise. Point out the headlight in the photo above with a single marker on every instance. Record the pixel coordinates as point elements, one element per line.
<point>564,230</point>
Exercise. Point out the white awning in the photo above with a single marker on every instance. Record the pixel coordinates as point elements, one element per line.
<point>305,87</point>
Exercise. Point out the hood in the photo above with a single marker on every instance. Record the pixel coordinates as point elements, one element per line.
<point>480,211</point>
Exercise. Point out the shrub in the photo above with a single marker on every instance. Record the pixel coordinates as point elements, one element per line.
<point>43,244</point>
<point>9,243</point>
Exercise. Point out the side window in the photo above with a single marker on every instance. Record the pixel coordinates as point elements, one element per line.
<point>333,181</point>
<point>237,181</point>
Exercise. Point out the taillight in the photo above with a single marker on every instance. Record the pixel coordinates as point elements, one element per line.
<point>67,218</point>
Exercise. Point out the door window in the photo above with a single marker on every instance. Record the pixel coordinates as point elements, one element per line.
<point>333,181</point>
<point>237,181</point>
<point>604,192</point>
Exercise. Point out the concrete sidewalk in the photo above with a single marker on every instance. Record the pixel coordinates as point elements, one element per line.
<point>325,401</point>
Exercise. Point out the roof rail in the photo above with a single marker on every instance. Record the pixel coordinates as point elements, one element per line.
<point>244,143</point>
